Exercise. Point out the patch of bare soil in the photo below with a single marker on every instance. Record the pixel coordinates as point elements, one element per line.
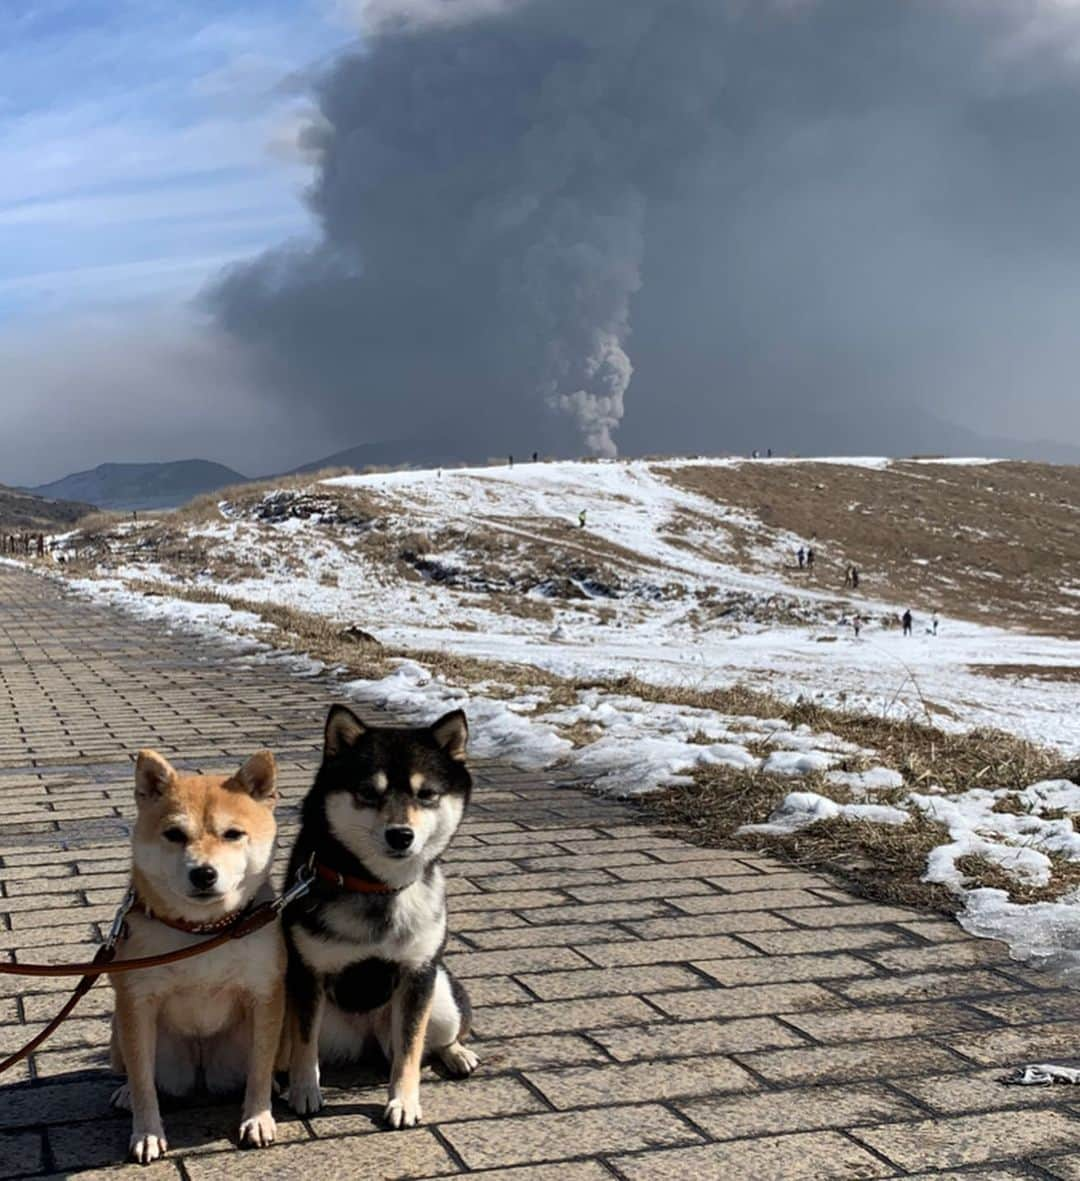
<point>993,543</point>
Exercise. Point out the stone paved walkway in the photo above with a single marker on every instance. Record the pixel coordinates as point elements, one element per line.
<point>646,1010</point>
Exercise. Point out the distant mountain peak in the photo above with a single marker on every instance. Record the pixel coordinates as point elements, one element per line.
<point>127,485</point>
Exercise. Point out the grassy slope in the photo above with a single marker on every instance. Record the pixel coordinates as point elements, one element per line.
<point>992,543</point>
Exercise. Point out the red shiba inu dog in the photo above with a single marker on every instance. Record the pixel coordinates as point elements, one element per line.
<point>201,853</point>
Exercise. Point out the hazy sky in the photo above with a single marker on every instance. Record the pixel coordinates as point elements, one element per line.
<point>261,230</point>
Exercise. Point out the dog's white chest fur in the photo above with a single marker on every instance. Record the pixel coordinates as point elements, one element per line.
<point>412,938</point>
<point>201,996</point>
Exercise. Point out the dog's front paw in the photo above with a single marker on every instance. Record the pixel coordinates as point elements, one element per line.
<point>146,1147</point>
<point>403,1112</point>
<point>121,1098</point>
<point>305,1098</point>
<point>459,1059</point>
<point>258,1131</point>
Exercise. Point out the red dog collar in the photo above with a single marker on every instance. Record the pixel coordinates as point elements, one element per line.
<point>351,884</point>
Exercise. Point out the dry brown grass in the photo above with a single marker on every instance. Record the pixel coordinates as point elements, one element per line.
<point>880,861</point>
<point>981,871</point>
<point>992,543</point>
<point>23,512</point>
<point>1051,673</point>
<point>205,508</point>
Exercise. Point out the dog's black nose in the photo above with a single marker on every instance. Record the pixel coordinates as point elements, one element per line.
<point>399,839</point>
<point>203,876</point>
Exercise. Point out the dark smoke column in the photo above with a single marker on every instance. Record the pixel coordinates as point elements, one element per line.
<point>484,178</point>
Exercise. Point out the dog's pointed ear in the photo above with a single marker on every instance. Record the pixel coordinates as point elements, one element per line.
<point>343,729</point>
<point>451,732</point>
<point>153,776</point>
<point>258,777</point>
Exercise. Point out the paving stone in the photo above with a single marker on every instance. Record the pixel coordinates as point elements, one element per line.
<point>1028,1008</point>
<point>886,1021</point>
<point>1012,1047</point>
<point>820,1156</point>
<point>851,1063</point>
<point>795,1111</point>
<point>388,1157</point>
<point>747,1001</point>
<point>560,935</point>
<point>64,1103</point>
<point>970,954</point>
<point>351,1111</point>
<point>536,1052</point>
<point>1067,1168</point>
<point>774,969</point>
<point>663,951</point>
<point>818,940</point>
<point>641,1082</point>
<point>604,981</point>
<point>972,1139</point>
<point>20,1153</point>
<point>667,871</point>
<point>692,927</point>
<point>695,1037</point>
<point>562,1016</point>
<point>862,915</point>
<point>751,900</point>
<point>957,1093</point>
<point>525,1139</point>
<point>925,986</point>
<point>520,960</point>
<point>563,1171</point>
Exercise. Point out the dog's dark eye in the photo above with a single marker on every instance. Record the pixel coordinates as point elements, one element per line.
<point>176,835</point>
<point>234,834</point>
<point>426,795</point>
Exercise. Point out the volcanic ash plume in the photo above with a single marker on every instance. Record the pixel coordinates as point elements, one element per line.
<point>482,194</point>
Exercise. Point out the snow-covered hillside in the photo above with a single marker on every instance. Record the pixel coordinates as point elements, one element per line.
<point>662,586</point>
<point>660,583</point>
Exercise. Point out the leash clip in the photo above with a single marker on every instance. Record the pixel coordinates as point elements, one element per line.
<point>298,889</point>
<point>116,931</point>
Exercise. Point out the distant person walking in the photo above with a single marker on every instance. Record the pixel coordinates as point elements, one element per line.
<point>810,558</point>
<point>511,461</point>
<point>801,555</point>
<point>856,625</point>
<point>536,456</point>
<point>581,519</point>
<point>934,623</point>
<point>854,577</point>
<point>906,620</point>
<point>769,453</point>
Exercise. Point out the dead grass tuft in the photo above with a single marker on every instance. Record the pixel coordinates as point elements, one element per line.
<point>981,871</point>
<point>879,861</point>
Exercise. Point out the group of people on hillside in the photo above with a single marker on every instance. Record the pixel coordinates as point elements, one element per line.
<point>23,543</point>
<point>907,622</point>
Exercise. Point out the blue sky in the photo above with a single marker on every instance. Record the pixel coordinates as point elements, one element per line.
<point>145,143</point>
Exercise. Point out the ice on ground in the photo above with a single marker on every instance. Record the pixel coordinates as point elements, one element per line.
<point>798,762</point>
<point>800,809</point>
<point>1044,934</point>
<point>861,782</point>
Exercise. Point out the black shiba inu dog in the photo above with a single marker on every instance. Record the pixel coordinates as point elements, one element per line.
<point>365,944</point>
